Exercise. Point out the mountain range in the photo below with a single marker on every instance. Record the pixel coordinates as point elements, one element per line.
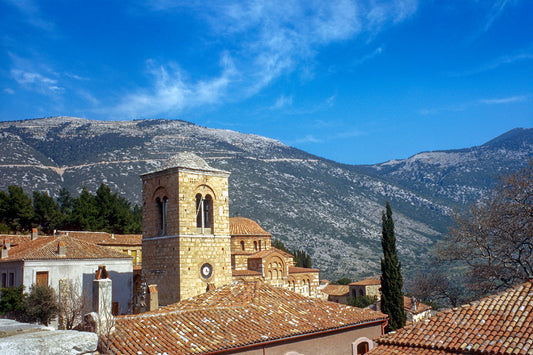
<point>331,210</point>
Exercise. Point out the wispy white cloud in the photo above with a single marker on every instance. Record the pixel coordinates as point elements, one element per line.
<point>521,56</point>
<point>307,139</point>
<point>270,39</point>
<point>504,100</point>
<point>467,105</point>
<point>35,81</point>
<point>282,102</point>
<point>496,11</point>
<point>172,91</point>
<point>369,56</point>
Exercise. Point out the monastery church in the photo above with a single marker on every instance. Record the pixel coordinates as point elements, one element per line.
<point>191,245</point>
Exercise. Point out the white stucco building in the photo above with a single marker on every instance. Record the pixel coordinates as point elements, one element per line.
<point>55,260</point>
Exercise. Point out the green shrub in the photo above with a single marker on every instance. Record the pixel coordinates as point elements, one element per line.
<point>12,300</point>
<point>41,304</point>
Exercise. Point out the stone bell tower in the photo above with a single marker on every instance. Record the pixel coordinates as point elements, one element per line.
<point>186,242</point>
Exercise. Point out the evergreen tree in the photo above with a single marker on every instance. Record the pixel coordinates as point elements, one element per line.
<point>47,213</point>
<point>391,275</point>
<point>84,213</point>
<point>19,210</point>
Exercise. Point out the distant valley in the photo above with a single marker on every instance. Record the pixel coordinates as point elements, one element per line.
<point>331,210</point>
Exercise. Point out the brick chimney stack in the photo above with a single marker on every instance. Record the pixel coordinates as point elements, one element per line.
<point>61,249</point>
<point>153,298</point>
<point>34,233</point>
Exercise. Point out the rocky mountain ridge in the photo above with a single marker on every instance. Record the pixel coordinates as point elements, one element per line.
<point>332,210</point>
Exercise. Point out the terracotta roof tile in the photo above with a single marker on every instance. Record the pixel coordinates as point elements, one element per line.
<point>232,316</point>
<point>301,270</point>
<point>366,282</point>
<point>14,240</point>
<point>264,253</point>
<point>245,273</point>
<point>245,226</point>
<point>47,248</point>
<point>336,290</point>
<point>500,324</point>
<point>103,238</point>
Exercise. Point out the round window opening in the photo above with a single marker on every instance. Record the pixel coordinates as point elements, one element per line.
<point>206,270</point>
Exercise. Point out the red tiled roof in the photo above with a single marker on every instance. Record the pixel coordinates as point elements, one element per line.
<point>336,290</point>
<point>245,226</point>
<point>232,316</point>
<point>500,324</point>
<point>14,239</point>
<point>396,350</point>
<point>301,270</point>
<point>245,273</point>
<point>264,253</point>
<point>366,282</point>
<point>47,248</point>
<point>104,238</point>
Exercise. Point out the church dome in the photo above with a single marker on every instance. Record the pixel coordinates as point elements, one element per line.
<point>245,226</point>
<point>186,160</point>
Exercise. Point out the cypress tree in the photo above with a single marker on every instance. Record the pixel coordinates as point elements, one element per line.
<point>391,275</point>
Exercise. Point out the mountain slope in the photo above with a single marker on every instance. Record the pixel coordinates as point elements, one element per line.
<point>330,209</point>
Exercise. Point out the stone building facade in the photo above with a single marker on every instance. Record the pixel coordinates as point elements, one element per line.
<point>253,258</point>
<point>190,244</point>
<point>186,241</point>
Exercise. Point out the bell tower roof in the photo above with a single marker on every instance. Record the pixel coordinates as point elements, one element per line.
<point>187,161</point>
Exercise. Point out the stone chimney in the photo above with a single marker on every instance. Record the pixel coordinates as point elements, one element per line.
<point>153,298</point>
<point>61,249</point>
<point>101,317</point>
<point>34,233</point>
<point>4,253</point>
<point>413,304</point>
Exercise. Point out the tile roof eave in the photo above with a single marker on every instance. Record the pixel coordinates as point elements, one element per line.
<point>59,258</point>
<point>298,336</point>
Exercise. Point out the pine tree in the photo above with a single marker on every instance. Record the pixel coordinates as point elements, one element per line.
<point>391,275</point>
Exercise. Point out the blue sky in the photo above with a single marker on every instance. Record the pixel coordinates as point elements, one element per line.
<point>358,82</point>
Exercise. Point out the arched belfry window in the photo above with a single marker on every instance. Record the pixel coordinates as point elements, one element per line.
<point>162,211</point>
<point>204,214</point>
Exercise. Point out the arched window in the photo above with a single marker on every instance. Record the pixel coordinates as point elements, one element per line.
<point>204,214</point>
<point>255,245</point>
<point>362,346</point>
<point>162,212</point>
<point>242,245</point>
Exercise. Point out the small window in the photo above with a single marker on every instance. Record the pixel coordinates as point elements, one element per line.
<point>242,245</point>
<point>4,279</point>
<point>255,245</point>
<point>41,278</point>
<point>11,279</point>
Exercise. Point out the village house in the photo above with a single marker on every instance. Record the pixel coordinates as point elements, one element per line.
<point>247,318</point>
<point>337,293</point>
<point>499,324</point>
<point>64,262</point>
<point>130,244</point>
<point>367,287</point>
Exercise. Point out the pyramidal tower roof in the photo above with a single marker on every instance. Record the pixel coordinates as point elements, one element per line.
<point>187,160</point>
